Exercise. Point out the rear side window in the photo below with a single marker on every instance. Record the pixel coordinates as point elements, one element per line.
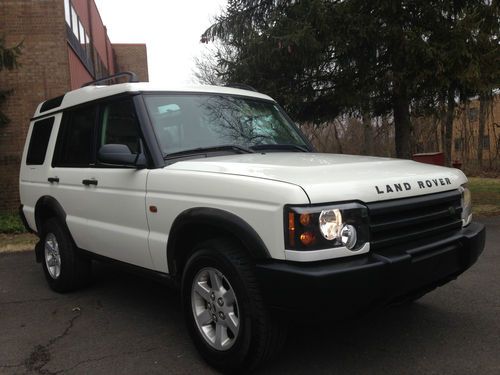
<point>75,142</point>
<point>39,141</point>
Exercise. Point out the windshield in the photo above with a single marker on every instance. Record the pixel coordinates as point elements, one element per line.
<point>190,121</point>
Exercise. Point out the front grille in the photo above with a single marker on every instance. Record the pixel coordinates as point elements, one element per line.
<point>412,219</point>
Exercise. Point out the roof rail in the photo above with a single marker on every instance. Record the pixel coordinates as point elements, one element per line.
<point>132,77</point>
<point>240,86</point>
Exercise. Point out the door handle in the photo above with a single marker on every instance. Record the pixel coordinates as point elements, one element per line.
<point>89,182</point>
<point>53,179</point>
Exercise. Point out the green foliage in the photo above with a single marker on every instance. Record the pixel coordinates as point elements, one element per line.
<point>8,60</point>
<point>9,56</point>
<point>322,58</point>
<point>11,223</point>
<point>485,196</point>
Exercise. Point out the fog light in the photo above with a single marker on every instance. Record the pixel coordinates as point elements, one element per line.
<point>330,222</point>
<point>348,236</point>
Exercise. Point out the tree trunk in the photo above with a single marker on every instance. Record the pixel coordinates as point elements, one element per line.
<point>402,124</point>
<point>337,138</point>
<point>367,133</point>
<point>442,122</point>
<point>483,114</point>
<point>436,134</point>
<point>448,125</point>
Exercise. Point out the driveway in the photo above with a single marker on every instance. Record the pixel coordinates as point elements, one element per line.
<point>124,324</point>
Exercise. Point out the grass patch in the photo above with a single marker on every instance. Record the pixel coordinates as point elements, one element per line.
<point>17,242</point>
<point>13,235</point>
<point>11,223</point>
<point>485,196</point>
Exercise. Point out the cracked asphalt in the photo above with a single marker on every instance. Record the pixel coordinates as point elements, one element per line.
<point>124,324</point>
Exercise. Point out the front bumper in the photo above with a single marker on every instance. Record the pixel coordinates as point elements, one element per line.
<point>341,287</point>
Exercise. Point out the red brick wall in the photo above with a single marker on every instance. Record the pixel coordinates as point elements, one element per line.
<point>43,74</point>
<point>91,20</point>
<point>132,57</point>
<point>49,68</point>
<point>110,57</point>
<point>81,7</point>
<point>79,74</point>
<point>98,32</point>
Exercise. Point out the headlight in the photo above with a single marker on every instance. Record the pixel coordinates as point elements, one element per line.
<point>466,205</point>
<point>324,227</point>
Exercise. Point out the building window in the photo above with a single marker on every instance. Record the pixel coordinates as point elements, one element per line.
<point>78,37</point>
<point>458,144</point>
<point>473,114</point>
<point>486,142</point>
<point>74,22</point>
<point>67,12</point>
<point>87,45</point>
<point>82,34</point>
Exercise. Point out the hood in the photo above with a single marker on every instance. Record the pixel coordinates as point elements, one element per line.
<point>334,177</point>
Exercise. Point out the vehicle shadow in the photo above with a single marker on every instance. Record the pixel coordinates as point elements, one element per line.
<point>390,340</point>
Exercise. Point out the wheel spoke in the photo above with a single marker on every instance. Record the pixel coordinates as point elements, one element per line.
<point>228,297</point>
<point>204,318</point>
<point>202,290</point>
<point>219,331</point>
<point>232,322</point>
<point>215,280</point>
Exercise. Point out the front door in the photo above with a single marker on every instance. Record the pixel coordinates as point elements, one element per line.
<point>117,220</point>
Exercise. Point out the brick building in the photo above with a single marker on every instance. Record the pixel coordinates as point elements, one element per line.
<point>466,133</point>
<point>65,44</point>
<point>428,135</point>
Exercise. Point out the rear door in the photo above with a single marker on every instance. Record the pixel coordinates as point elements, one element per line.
<point>72,160</point>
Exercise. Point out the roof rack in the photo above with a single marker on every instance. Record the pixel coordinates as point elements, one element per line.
<point>132,77</point>
<point>241,86</point>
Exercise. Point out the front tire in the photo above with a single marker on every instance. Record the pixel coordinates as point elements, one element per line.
<point>64,269</point>
<point>224,311</point>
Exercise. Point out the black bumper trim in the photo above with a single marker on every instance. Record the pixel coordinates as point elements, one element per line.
<point>347,285</point>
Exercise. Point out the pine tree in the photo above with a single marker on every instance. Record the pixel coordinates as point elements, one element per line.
<point>9,61</point>
<point>321,58</point>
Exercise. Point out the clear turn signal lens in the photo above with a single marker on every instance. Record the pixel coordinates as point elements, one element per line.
<point>466,206</point>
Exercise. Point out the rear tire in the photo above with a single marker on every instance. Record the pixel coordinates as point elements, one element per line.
<point>219,284</point>
<point>64,269</point>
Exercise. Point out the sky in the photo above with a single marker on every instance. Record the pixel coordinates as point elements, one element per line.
<point>171,30</point>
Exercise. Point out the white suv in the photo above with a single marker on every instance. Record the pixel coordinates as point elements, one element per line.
<point>217,190</point>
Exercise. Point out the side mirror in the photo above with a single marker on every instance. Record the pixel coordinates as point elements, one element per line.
<point>119,154</point>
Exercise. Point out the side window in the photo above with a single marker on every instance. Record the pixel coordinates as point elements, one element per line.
<point>75,142</point>
<point>119,125</point>
<point>39,141</point>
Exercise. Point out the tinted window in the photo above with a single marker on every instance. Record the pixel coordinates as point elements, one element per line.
<point>76,137</point>
<point>120,125</point>
<point>39,141</point>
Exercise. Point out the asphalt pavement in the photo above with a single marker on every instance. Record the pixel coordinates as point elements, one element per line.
<point>125,324</point>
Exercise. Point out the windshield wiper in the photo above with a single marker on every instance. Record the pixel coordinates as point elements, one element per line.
<point>205,150</point>
<point>283,146</point>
